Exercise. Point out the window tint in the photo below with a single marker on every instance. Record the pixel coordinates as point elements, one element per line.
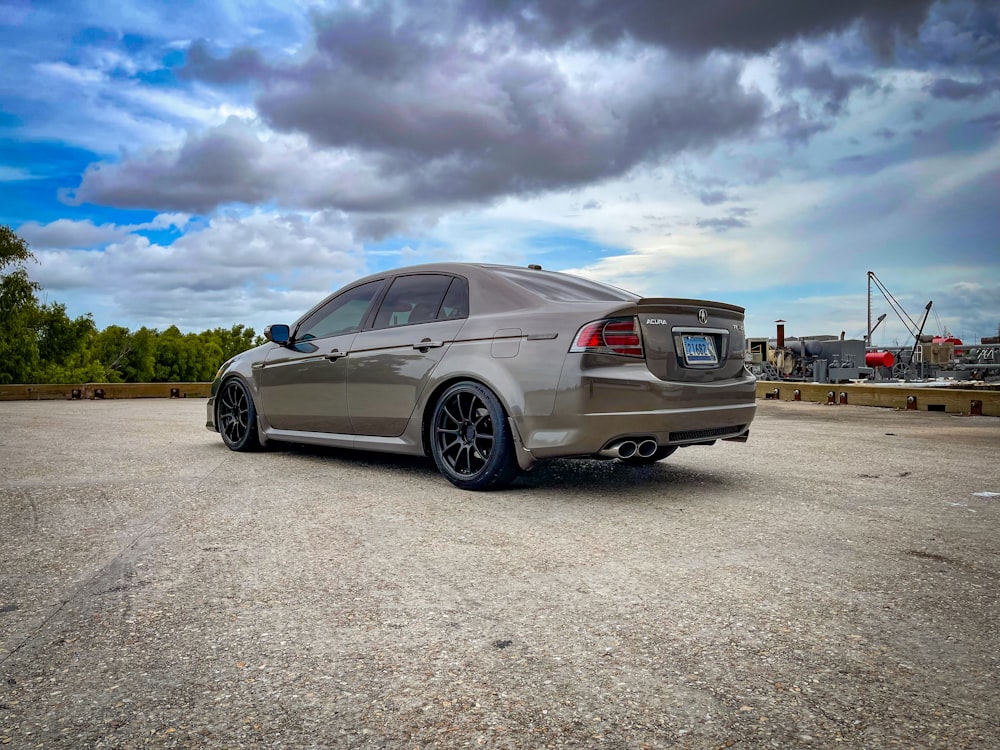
<point>456,301</point>
<point>412,299</point>
<point>343,314</point>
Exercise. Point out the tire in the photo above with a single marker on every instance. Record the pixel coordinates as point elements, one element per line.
<point>470,438</point>
<point>661,453</point>
<point>236,416</point>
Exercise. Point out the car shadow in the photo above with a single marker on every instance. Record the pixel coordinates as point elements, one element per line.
<point>359,459</point>
<point>606,477</point>
<point>615,478</point>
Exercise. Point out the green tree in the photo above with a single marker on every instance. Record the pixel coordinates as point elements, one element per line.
<point>232,341</point>
<point>18,310</point>
<point>127,357</point>
<point>184,358</point>
<point>139,364</point>
<point>65,350</point>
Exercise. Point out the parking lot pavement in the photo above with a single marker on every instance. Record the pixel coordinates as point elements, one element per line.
<point>834,580</point>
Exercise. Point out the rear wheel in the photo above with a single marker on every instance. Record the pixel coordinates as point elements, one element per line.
<point>236,416</point>
<point>661,453</point>
<point>471,440</point>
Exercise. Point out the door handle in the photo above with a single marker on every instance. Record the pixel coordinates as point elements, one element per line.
<point>424,344</point>
<point>335,355</point>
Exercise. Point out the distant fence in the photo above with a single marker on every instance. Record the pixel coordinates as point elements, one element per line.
<point>39,392</point>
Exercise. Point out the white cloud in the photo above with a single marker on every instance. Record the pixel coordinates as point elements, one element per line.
<point>64,234</point>
<point>15,174</point>
<point>76,75</point>
<point>253,269</point>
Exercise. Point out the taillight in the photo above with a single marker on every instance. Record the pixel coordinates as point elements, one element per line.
<point>611,336</point>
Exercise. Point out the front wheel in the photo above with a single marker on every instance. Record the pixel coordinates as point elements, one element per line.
<point>236,416</point>
<point>471,440</point>
<point>661,453</point>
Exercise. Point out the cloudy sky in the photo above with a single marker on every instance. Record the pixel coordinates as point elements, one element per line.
<point>211,162</point>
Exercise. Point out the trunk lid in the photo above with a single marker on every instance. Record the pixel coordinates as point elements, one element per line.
<point>692,340</point>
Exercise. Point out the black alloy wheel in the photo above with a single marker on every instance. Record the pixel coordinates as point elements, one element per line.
<point>236,416</point>
<point>470,439</point>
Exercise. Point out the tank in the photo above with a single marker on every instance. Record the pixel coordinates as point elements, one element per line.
<point>879,359</point>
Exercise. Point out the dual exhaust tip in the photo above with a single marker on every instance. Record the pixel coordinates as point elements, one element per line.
<point>643,448</point>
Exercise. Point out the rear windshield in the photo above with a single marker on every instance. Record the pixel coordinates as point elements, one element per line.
<point>564,288</point>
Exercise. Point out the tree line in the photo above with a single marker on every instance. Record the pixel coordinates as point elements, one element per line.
<point>40,343</point>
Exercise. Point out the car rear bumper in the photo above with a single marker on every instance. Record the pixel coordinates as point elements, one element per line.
<point>597,411</point>
<point>594,432</point>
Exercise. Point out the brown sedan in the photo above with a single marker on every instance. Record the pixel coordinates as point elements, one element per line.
<point>490,368</point>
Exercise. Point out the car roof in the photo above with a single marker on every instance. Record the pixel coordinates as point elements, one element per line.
<point>554,286</point>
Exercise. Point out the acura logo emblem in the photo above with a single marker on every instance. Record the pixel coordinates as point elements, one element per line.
<point>703,316</point>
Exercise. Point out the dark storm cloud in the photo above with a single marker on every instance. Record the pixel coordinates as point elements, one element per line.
<point>519,120</point>
<point>700,27</point>
<point>795,126</point>
<point>398,108</point>
<point>819,80</point>
<point>949,88</point>
<point>242,64</point>
<point>436,121</point>
<point>220,166</point>
<point>370,41</point>
<point>962,34</point>
<point>377,43</point>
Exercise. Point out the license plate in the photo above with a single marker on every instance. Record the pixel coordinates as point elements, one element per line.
<point>699,350</point>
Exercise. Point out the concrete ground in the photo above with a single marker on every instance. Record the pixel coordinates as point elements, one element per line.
<point>831,583</point>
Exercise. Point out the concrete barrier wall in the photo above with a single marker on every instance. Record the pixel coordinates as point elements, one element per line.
<point>950,400</point>
<point>104,390</point>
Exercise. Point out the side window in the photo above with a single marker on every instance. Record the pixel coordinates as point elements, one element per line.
<point>343,314</point>
<point>456,301</point>
<point>412,299</point>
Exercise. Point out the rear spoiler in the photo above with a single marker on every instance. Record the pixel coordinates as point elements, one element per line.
<point>676,301</point>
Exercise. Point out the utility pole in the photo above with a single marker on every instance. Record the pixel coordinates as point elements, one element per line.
<point>868,330</point>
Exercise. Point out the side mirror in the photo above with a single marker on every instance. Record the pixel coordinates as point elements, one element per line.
<point>278,333</point>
